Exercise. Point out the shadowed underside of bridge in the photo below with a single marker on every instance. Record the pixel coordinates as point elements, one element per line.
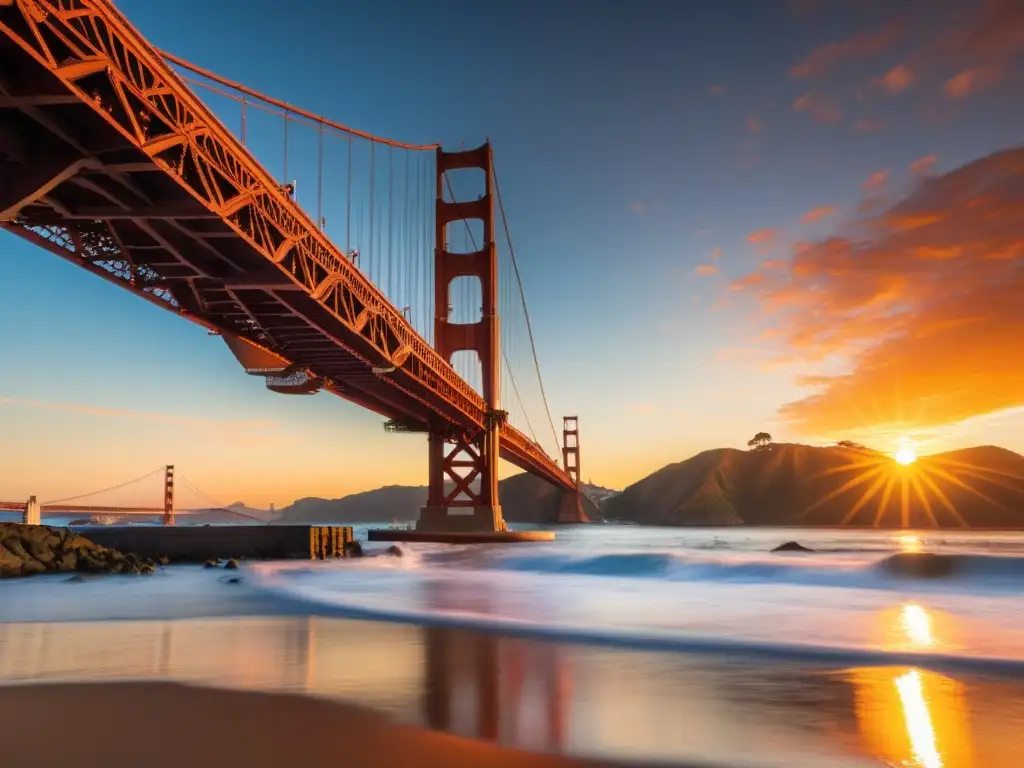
<point>108,160</point>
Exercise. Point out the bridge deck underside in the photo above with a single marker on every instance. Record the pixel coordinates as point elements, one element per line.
<point>73,182</point>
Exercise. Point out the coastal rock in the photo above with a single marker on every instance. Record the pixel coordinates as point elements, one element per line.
<point>395,550</point>
<point>231,564</point>
<point>212,564</point>
<point>792,546</point>
<point>32,549</point>
<point>353,549</point>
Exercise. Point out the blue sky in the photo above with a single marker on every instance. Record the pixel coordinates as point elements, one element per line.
<point>635,143</point>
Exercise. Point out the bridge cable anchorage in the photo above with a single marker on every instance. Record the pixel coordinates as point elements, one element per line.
<point>504,355</point>
<point>522,295</point>
<point>158,470</point>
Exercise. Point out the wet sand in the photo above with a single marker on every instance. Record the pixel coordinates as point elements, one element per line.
<point>172,725</point>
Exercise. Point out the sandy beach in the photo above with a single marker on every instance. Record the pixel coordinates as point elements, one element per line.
<point>171,725</point>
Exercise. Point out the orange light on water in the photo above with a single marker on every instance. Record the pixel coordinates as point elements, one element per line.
<point>917,625</point>
<point>913,717</point>
<point>910,543</point>
<point>918,720</point>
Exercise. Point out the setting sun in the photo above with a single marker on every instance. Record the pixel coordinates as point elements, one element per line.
<point>906,455</point>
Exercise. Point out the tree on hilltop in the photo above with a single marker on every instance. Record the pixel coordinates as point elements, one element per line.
<point>760,440</point>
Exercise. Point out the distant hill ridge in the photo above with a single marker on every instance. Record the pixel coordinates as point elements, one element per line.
<point>791,484</point>
<point>524,499</point>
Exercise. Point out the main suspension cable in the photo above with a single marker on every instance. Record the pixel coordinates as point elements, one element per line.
<point>508,366</point>
<point>522,295</point>
<point>105,490</point>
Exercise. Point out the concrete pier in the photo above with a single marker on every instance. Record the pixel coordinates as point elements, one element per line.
<point>32,514</point>
<point>199,543</point>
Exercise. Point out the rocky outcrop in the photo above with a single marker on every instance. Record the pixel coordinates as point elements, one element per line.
<point>29,549</point>
<point>792,546</point>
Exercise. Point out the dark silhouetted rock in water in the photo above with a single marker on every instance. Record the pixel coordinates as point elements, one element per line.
<point>231,565</point>
<point>214,563</point>
<point>353,549</point>
<point>29,549</point>
<point>792,546</point>
<point>920,565</point>
<point>394,550</point>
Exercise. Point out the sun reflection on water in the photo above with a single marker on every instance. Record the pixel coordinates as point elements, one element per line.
<point>918,720</point>
<point>910,543</point>
<point>913,717</point>
<point>917,625</point>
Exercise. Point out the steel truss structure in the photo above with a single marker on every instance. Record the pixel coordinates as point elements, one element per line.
<point>108,160</point>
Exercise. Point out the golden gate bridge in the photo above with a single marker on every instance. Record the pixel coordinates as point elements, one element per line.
<point>159,493</point>
<point>361,266</point>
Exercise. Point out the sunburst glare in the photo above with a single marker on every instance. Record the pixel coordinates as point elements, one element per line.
<point>906,455</point>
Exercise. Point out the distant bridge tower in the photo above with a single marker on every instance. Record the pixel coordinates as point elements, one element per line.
<point>463,479</point>
<point>571,510</point>
<point>169,494</point>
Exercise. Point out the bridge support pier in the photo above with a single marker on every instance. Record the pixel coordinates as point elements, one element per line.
<point>32,515</point>
<point>463,464</point>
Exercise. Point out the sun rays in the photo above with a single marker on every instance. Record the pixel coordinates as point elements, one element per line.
<point>904,490</point>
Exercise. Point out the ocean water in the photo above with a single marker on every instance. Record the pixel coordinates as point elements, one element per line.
<point>879,648</point>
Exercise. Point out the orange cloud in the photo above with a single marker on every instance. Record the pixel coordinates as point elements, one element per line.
<point>819,213</point>
<point>824,57</point>
<point>875,182</point>
<point>922,165</point>
<point>706,269</point>
<point>971,81</point>
<point>897,79</point>
<point>824,109</point>
<point>716,253</point>
<point>754,125</point>
<point>762,235</point>
<point>716,90</point>
<point>923,318</point>
<point>869,126</point>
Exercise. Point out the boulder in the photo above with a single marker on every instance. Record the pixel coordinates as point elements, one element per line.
<point>231,564</point>
<point>10,564</point>
<point>30,549</point>
<point>792,546</point>
<point>353,549</point>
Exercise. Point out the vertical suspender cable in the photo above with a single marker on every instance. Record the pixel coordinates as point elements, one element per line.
<point>370,254</point>
<point>348,202</point>
<point>320,181</point>
<point>286,121</point>
<point>390,225</point>
<point>243,122</point>
<point>522,295</point>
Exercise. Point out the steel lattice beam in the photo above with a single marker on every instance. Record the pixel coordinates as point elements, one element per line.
<point>136,107</point>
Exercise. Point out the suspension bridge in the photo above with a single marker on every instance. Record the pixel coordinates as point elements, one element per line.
<point>158,493</point>
<point>368,268</point>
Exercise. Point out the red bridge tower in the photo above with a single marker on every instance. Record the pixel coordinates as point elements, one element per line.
<point>463,486</point>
